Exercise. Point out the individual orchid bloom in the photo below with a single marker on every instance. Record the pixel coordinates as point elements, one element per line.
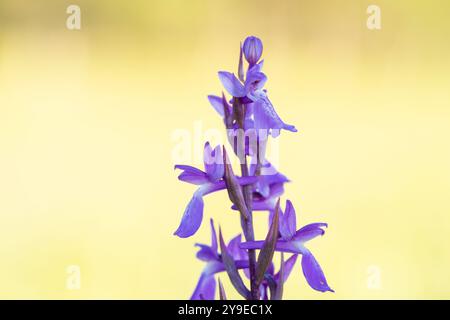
<point>252,49</point>
<point>268,176</point>
<point>252,92</point>
<point>209,181</point>
<point>206,285</point>
<point>292,241</point>
<point>268,188</point>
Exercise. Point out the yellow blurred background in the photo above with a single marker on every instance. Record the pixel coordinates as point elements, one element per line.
<point>86,140</point>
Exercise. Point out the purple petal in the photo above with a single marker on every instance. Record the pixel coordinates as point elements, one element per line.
<point>276,190</point>
<point>288,222</point>
<point>213,161</point>
<point>235,250</point>
<point>232,84</point>
<point>313,273</point>
<point>310,231</point>
<point>288,266</point>
<point>266,116</point>
<point>260,65</point>
<point>206,253</point>
<point>268,177</point>
<point>237,253</point>
<point>255,81</point>
<point>192,218</point>
<point>205,289</point>
<point>192,175</point>
<point>255,68</point>
<point>217,104</point>
<point>313,226</point>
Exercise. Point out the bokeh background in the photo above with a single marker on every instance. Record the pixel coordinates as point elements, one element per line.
<point>86,141</point>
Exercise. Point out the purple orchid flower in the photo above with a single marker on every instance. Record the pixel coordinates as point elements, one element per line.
<point>251,92</point>
<point>206,285</point>
<point>209,181</point>
<point>268,176</point>
<point>292,241</point>
<point>268,188</point>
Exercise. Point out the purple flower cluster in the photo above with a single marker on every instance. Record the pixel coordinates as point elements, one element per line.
<point>250,118</point>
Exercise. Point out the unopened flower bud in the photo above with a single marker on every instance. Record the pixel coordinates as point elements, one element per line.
<point>253,48</point>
